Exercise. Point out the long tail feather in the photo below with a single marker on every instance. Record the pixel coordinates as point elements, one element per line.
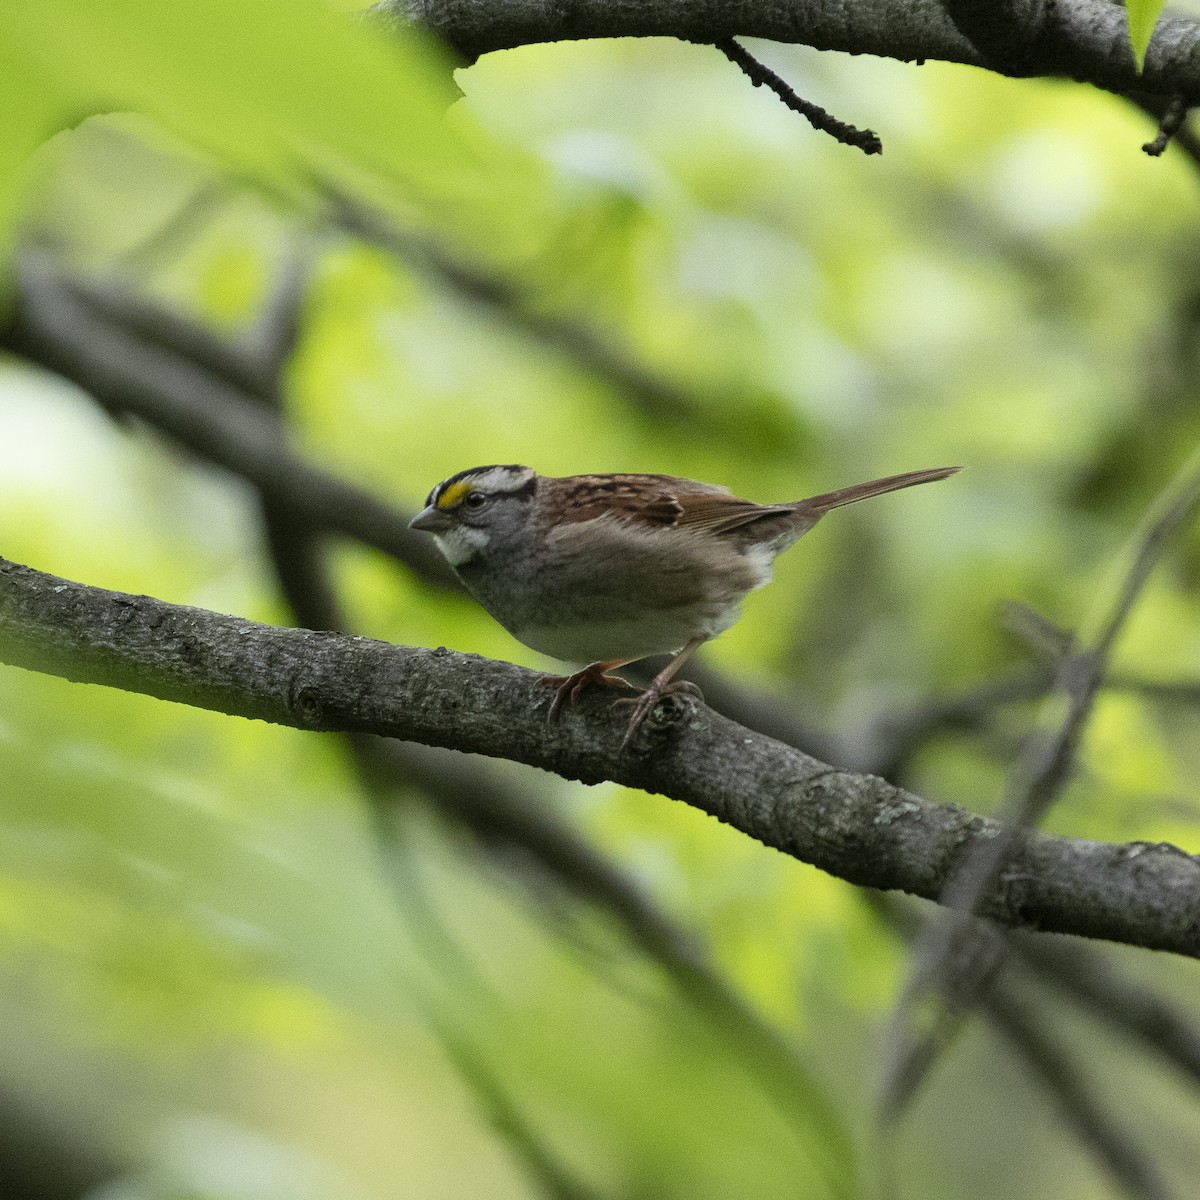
<point>875,487</point>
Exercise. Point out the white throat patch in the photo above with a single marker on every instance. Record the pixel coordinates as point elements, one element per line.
<point>461,543</point>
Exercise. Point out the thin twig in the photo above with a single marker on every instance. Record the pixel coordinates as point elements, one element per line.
<point>866,140</point>
<point>648,391</point>
<point>942,1023</point>
<point>890,745</point>
<point>1169,124</point>
<point>187,218</point>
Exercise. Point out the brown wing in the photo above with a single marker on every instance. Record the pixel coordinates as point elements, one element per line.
<point>667,501</point>
<point>654,500</point>
<point>720,514</point>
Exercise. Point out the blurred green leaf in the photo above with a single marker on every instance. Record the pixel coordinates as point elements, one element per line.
<point>1143,16</point>
<point>280,88</point>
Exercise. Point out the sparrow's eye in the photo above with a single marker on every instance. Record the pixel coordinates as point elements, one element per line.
<point>474,501</point>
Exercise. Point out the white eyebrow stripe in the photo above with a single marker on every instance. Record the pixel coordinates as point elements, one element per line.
<point>502,479</point>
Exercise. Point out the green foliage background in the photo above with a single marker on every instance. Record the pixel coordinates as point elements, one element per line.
<point>211,973</point>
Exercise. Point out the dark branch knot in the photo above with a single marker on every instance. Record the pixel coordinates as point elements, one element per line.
<point>305,701</point>
<point>673,710</point>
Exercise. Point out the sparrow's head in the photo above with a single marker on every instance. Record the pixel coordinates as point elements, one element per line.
<point>483,508</point>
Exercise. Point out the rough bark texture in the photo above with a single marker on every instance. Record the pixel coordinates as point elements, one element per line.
<point>1081,39</point>
<point>854,826</point>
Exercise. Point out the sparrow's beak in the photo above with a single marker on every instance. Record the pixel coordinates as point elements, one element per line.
<point>431,520</point>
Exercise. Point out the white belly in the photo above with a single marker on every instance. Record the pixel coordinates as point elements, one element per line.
<point>664,633</point>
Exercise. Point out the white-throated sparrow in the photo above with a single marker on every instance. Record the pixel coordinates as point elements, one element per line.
<point>607,569</point>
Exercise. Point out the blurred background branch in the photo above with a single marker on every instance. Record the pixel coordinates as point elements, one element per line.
<point>951,959</point>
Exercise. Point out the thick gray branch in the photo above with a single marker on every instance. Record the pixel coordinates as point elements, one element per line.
<point>894,28</point>
<point>1081,39</point>
<point>854,826</point>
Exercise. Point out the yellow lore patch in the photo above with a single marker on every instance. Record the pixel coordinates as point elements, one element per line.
<point>452,497</point>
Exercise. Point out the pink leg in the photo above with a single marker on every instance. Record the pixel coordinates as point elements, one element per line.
<point>568,687</point>
<point>660,687</point>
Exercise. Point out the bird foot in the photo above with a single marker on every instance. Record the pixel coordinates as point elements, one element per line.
<point>568,687</point>
<point>644,705</point>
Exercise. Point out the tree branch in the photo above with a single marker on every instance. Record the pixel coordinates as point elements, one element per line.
<point>857,827</point>
<point>1086,40</point>
<point>759,74</point>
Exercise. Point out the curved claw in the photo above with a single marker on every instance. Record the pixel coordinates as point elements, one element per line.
<point>568,687</point>
<point>643,705</point>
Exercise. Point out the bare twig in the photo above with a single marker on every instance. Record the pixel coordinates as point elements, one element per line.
<point>759,74</point>
<point>935,1028</point>
<point>278,327</point>
<point>897,736</point>
<point>1173,116</point>
<point>649,392</point>
<point>187,218</point>
<point>1182,135</point>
